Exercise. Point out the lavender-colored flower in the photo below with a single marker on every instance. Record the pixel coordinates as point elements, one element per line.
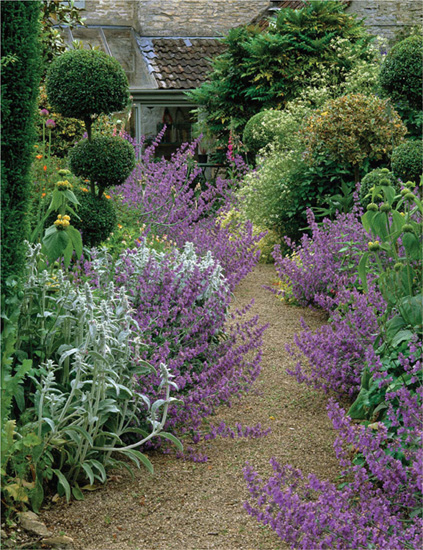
<point>50,123</point>
<point>44,113</point>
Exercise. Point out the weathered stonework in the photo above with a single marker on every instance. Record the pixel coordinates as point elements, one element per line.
<point>195,17</point>
<point>111,12</point>
<point>386,17</point>
<point>174,17</point>
<point>216,17</point>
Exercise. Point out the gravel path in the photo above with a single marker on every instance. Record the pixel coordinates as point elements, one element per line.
<point>198,506</point>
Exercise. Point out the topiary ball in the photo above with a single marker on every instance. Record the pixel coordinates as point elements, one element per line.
<point>261,129</point>
<point>98,218</point>
<point>105,160</point>
<point>83,83</point>
<point>406,161</point>
<point>374,178</point>
<point>401,72</point>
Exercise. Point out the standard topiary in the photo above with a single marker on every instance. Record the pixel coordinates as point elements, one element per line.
<point>105,160</point>
<point>406,161</point>
<point>86,83</point>
<point>372,179</point>
<point>401,72</point>
<point>98,218</point>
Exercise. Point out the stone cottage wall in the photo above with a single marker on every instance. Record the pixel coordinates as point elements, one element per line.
<point>215,17</point>
<point>110,12</point>
<point>174,17</point>
<point>386,17</point>
<point>195,17</point>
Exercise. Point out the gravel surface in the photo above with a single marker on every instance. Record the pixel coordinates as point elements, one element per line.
<point>199,506</point>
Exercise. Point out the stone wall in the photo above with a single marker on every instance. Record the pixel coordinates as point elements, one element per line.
<point>386,17</point>
<point>110,12</point>
<point>215,17</point>
<point>174,17</point>
<point>195,17</point>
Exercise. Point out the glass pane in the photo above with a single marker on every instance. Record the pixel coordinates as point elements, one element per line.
<point>124,48</point>
<point>89,37</point>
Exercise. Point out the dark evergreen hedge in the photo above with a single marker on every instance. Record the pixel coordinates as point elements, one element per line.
<point>21,70</point>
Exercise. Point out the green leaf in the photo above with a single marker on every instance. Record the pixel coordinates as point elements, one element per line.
<point>100,468</point>
<point>75,237</point>
<point>37,495</point>
<point>70,195</point>
<point>67,254</point>
<point>77,493</point>
<point>366,220</point>
<point>379,225</point>
<point>412,246</point>
<point>55,243</point>
<point>362,273</point>
<point>64,483</point>
<point>138,457</point>
<point>172,438</point>
<point>90,474</point>
<point>401,336</point>
<point>81,431</point>
<point>31,440</point>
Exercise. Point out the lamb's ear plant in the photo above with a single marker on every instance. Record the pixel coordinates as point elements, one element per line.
<point>82,404</point>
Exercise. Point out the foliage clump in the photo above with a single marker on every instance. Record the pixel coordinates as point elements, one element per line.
<point>97,217</point>
<point>85,84</point>
<point>373,179</point>
<point>354,128</point>
<point>261,130</point>
<point>263,69</point>
<point>401,72</point>
<point>407,161</point>
<point>105,160</point>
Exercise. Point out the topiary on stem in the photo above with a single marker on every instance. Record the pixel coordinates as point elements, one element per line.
<point>86,83</point>
<point>105,160</point>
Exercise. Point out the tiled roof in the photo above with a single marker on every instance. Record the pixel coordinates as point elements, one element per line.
<point>179,63</point>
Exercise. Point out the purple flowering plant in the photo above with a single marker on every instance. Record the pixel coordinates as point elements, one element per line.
<point>373,346</point>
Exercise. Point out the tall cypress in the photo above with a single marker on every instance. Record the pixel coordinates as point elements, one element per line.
<point>21,71</point>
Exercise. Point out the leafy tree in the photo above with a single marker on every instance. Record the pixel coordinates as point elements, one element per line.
<point>263,69</point>
<point>21,67</point>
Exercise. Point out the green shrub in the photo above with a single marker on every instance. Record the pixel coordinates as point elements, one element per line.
<point>21,69</point>
<point>401,72</point>
<point>276,196</point>
<point>374,178</point>
<point>353,129</point>
<point>98,218</point>
<point>86,83</point>
<point>106,160</point>
<point>406,161</point>
<point>265,68</point>
<point>268,127</point>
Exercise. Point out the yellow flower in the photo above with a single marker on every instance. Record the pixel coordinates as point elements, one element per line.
<point>108,196</point>
<point>119,225</point>
<point>39,157</point>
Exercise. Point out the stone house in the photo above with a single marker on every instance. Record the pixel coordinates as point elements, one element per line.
<point>165,46</point>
